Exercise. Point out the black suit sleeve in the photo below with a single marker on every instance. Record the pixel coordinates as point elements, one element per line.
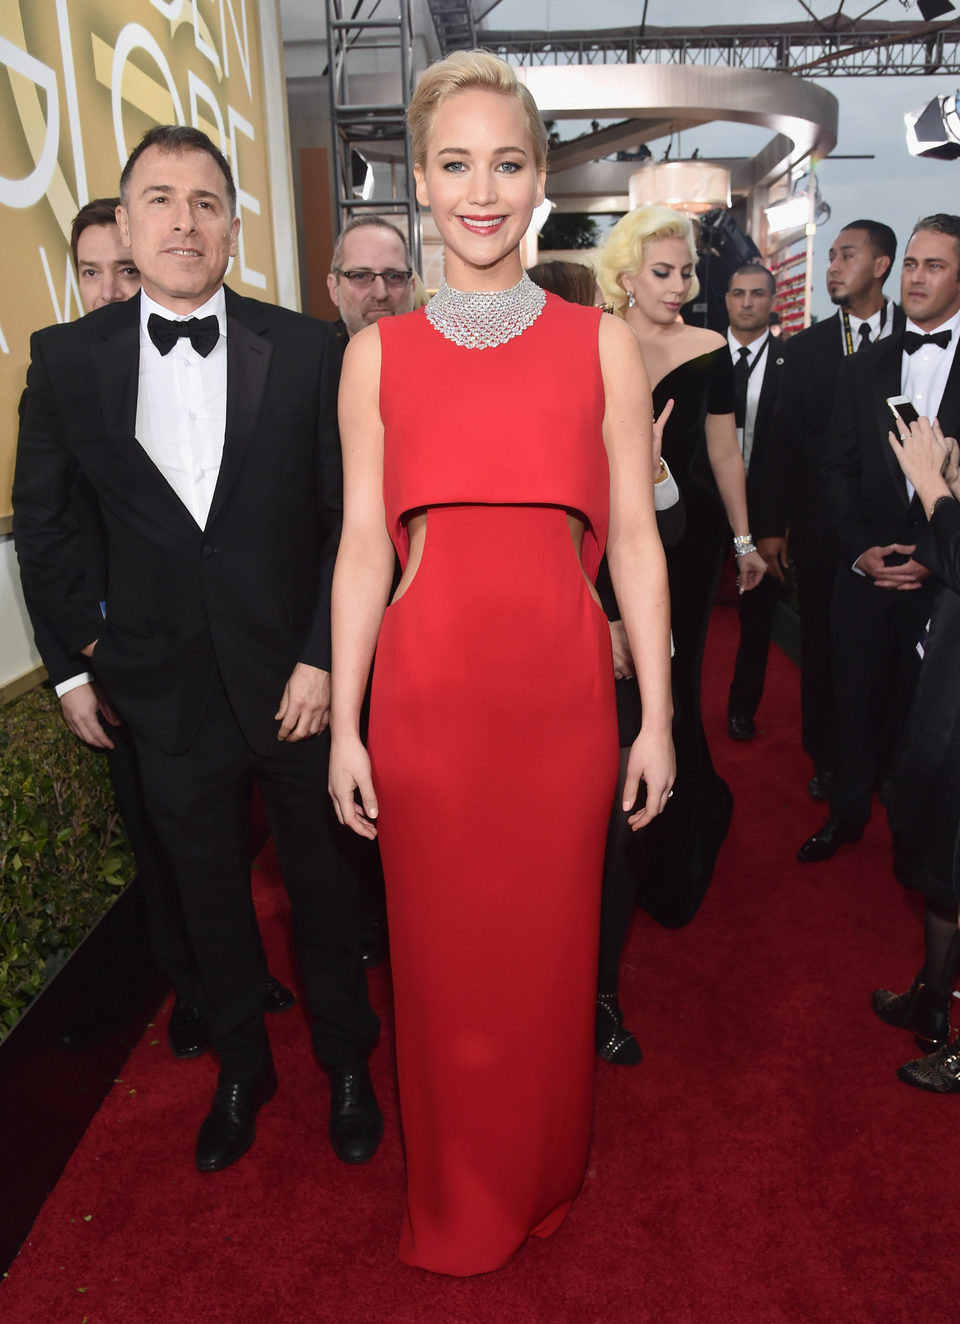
<point>317,649</point>
<point>47,533</point>
<point>939,545</point>
<point>61,665</point>
<point>841,473</point>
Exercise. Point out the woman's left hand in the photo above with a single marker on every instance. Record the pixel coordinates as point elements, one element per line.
<point>751,568</point>
<point>922,451</point>
<point>653,762</point>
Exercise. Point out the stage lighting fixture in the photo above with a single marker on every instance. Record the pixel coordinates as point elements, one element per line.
<point>931,9</point>
<point>789,215</point>
<point>361,173</point>
<point>934,129</point>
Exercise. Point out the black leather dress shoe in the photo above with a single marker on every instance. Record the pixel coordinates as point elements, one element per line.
<point>228,1129</point>
<point>820,785</point>
<point>186,1031</point>
<point>741,726</point>
<point>825,843</point>
<point>277,997</point>
<point>356,1122</point>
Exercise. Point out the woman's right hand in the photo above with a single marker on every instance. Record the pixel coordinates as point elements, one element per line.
<point>350,772</point>
<point>659,424</point>
<point>620,647</point>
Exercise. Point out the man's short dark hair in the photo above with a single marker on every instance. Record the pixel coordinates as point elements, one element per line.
<point>360,223</point>
<point>99,211</point>
<point>881,239</point>
<point>941,222</point>
<point>179,138</point>
<point>751,269</point>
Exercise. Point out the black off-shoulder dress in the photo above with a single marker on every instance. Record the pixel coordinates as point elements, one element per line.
<point>675,856</point>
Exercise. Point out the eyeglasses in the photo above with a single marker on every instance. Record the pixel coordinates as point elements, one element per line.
<point>362,278</point>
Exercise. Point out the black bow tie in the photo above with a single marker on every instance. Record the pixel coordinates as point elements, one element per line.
<point>912,340</point>
<point>203,332</point>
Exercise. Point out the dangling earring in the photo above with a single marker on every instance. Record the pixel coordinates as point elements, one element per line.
<point>631,299</point>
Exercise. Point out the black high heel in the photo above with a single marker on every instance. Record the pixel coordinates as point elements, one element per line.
<point>614,1041</point>
<point>919,1010</point>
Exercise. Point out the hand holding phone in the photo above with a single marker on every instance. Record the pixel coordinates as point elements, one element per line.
<point>903,412</point>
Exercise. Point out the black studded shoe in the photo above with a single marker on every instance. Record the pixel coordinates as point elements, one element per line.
<point>614,1041</point>
<point>939,1072</point>
<point>925,1014</point>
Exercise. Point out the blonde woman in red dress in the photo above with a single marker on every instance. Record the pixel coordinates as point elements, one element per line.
<point>498,440</point>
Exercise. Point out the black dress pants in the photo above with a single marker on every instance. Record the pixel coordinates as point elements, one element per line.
<point>199,804</point>
<point>756,610</point>
<point>874,633</point>
<point>169,944</point>
<point>816,565</point>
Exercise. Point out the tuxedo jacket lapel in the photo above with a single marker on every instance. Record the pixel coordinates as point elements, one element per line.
<point>116,366</point>
<point>248,362</point>
<point>949,412</point>
<point>888,384</point>
<point>771,365</point>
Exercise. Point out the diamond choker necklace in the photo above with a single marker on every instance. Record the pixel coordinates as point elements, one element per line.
<point>477,320</point>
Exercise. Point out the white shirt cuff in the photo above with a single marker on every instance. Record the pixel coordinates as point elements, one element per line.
<point>856,569</point>
<point>74,683</point>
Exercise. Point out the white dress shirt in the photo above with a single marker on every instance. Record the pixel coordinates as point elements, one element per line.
<point>923,374</point>
<point>181,415</point>
<point>182,407</point>
<point>754,386</point>
<point>880,324</point>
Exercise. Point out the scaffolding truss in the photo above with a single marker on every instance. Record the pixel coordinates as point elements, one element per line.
<point>371,130</point>
<point>813,49</point>
<point>454,23</point>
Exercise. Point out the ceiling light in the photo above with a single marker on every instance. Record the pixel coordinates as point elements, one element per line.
<point>691,186</point>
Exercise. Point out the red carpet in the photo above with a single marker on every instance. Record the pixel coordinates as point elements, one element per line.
<point>763,1164</point>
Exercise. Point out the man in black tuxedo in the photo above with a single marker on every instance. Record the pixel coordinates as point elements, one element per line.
<point>757,364</point>
<point>209,443</point>
<point>106,274</point>
<point>790,492</point>
<point>882,596</point>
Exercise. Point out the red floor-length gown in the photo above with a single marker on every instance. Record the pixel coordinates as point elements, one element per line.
<point>494,747</point>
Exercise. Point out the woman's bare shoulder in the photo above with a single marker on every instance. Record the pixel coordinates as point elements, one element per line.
<point>701,340</point>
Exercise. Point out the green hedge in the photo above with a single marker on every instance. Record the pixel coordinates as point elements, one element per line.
<point>64,856</point>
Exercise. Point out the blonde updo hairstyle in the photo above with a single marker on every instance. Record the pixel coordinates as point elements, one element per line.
<point>630,241</point>
<point>464,71</point>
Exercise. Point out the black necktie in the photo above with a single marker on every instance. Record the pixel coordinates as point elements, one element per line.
<point>912,340</point>
<point>864,334</point>
<point>741,375</point>
<point>203,332</point>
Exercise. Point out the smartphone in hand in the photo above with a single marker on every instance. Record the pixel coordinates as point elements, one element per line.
<point>903,412</point>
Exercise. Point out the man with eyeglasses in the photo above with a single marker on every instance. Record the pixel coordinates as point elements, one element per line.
<point>370,277</point>
<point>370,274</point>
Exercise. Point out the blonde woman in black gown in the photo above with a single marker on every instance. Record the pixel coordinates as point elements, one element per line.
<point>646,271</point>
